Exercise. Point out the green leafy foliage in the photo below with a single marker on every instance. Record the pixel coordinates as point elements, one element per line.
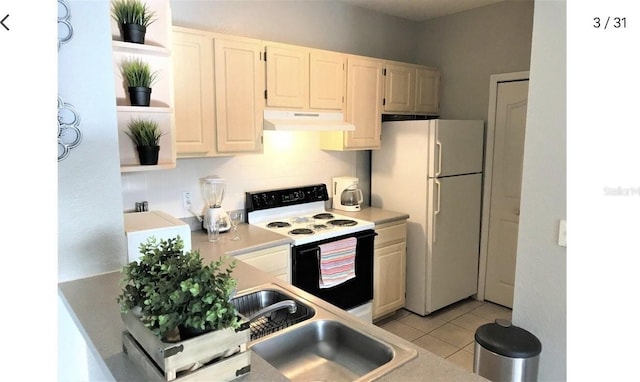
<point>174,288</point>
<point>132,12</point>
<point>137,73</point>
<point>144,132</point>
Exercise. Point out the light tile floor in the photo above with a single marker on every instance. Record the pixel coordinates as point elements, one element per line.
<point>449,332</point>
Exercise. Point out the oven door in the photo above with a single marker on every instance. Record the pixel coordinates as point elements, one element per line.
<point>305,272</point>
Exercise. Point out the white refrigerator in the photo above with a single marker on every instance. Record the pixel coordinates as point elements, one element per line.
<point>432,170</point>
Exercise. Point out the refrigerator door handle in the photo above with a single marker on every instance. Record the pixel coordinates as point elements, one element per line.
<point>436,211</point>
<point>439,148</point>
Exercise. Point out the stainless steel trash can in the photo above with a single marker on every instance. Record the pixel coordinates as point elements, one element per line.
<point>504,352</point>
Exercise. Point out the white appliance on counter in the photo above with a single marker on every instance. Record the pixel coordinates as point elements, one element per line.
<point>346,194</point>
<point>139,226</point>
<point>432,170</point>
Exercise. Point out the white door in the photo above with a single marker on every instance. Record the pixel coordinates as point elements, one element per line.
<point>511,113</point>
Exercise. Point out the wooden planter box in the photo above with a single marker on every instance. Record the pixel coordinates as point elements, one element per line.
<point>219,355</point>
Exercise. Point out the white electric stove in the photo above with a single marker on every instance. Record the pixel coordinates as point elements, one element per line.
<point>306,223</point>
<point>300,214</point>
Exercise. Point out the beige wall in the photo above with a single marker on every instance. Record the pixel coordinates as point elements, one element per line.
<point>539,301</point>
<point>470,46</point>
<point>90,226</point>
<point>323,24</point>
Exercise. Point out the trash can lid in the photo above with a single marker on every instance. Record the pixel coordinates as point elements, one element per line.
<point>507,340</point>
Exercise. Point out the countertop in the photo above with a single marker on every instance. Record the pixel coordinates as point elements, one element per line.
<point>251,237</point>
<point>374,214</point>
<point>93,302</point>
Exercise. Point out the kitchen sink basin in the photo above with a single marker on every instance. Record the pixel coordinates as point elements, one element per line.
<point>324,350</point>
<point>275,311</point>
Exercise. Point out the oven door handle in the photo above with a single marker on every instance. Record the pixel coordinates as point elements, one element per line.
<point>314,250</point>
<point>365,235</point>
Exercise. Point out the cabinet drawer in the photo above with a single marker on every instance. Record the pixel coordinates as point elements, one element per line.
<point>274,261</point>
<point>389,233</point>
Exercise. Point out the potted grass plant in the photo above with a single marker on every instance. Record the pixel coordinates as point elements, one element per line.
<point>139,79</point>
<point>133,18</point>
<point>145,135</point>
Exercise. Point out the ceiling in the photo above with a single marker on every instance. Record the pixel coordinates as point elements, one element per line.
<point>420,10</point>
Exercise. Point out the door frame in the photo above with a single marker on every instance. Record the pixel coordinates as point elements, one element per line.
<point>494,81</point>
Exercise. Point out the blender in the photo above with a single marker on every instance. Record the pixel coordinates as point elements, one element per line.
<point>213,192</point>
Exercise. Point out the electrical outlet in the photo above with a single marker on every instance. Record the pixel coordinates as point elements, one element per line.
<point>186,200</point>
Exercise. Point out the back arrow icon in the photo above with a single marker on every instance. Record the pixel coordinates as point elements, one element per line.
<point>2,22</point>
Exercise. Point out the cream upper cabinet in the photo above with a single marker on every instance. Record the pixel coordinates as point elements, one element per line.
<point>411,89</point>
<point>365,86</point>
<point>287,76</point>
<point>427,90</point>
<point>304,78</point>
<point>389,268</point>
<point>222,85</point>
<point>218,91</point>
<point>239,76</point>
<point>327,80</point>
<point>193,89</point>
<point>399,87</point>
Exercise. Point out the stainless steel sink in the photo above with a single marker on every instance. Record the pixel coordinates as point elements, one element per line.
<point>323,343</point>
<point>324,350</point>
<point>274,319</point>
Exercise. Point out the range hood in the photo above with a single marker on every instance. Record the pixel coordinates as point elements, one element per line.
<point>285,120</point>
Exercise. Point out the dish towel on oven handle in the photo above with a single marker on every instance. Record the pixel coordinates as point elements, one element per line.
<point>337,262</point>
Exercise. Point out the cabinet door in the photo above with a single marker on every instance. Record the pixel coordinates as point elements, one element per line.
<point>326,80</point>
<point>287,77</point>
<point>193,90</point>
<point>389,269</point>
<point>239,81</point>
<point>399,88</point>
<point>364,102</point>
<point>427,90</point>
<point>275,261</point>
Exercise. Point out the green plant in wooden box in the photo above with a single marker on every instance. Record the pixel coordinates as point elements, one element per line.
<point>176,290</point>
<point>133,18</point>
<point>139,79</point>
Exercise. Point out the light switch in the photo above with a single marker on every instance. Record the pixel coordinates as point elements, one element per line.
<point>562,233</point>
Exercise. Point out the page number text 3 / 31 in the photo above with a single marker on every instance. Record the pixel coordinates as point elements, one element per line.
<point>609,22</point>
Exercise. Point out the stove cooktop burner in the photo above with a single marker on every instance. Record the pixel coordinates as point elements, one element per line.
<point>318,227</point>
<point>278,225</point>
<point>324,215</point>
<point>301,231</point>
<point>342,222</point>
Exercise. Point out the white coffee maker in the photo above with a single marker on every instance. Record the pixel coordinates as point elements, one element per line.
<point>347,196</point>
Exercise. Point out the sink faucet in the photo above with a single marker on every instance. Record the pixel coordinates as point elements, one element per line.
<point>271,309</point>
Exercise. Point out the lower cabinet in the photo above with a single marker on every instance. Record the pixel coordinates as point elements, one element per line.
<point>274,261</point>
<point>389,268</point>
